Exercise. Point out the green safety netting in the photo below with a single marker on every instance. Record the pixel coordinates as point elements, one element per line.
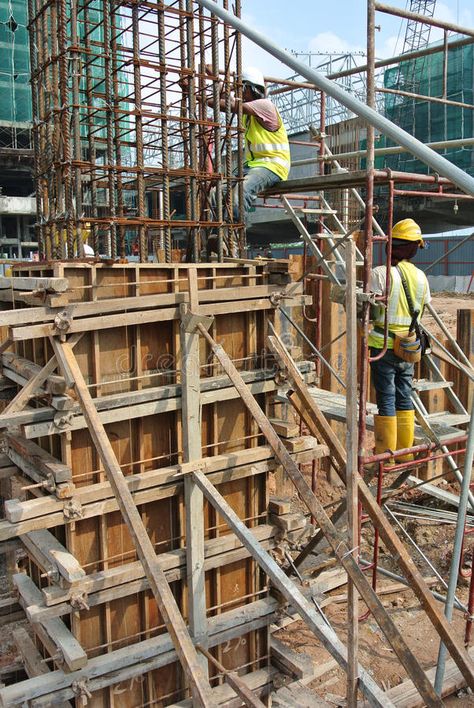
<point>15,92</point>
<point>427,121</point>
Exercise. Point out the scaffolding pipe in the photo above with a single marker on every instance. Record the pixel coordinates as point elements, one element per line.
<point>423,19</point>
<point>393,150</point>
<point>438,163</point>
<point>289,84</point>
<point>457,550</point>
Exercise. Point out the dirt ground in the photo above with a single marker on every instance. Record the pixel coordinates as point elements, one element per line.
<point>375,654</point>
<point>447,305</point>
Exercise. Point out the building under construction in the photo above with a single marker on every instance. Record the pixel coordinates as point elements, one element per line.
<point>187,470</point>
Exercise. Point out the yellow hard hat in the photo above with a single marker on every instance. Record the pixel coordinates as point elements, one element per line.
<point>408,230</point>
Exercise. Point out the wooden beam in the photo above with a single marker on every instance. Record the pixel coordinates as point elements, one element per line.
<point>33,460</point>
<point>52,632</point>
<point>318,425</point>
<point>192,450</point>
<point>54,285</point>
<point>161,590</point>
<point>142,302</point>
<point>32,659</point>
<point>132,404</point>
<point>336,540</point>
<point>49,512</point>
<point>46,550</point>
<point>28,370</point>
<point>90,324</point>
<point>288,589</point>
<point>37,380</point>
<point>130,578</point>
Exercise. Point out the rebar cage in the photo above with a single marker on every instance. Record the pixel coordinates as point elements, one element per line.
<point>129,156</point>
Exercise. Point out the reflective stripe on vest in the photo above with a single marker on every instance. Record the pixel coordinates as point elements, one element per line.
<point>398,310</point>
<point>266,149</point>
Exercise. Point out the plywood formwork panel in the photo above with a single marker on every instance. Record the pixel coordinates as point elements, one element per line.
<point>127,359</point>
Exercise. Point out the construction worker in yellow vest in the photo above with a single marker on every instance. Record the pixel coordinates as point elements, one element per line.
<point>392,376</point>
<point>267,152</point>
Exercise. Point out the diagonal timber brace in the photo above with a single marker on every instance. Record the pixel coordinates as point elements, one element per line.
<point>288,589</point>
<point>32,386</point>
<point>169,610</point>
<point>336,539</point>
<point>317,424</point>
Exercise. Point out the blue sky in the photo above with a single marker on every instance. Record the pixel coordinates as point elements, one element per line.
<point>303,25</point>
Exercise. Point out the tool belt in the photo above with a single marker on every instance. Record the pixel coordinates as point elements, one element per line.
<point>407,348</point>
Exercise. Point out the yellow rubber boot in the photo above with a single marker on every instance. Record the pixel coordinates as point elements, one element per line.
<point>405,433</point>
<point>385,429</point>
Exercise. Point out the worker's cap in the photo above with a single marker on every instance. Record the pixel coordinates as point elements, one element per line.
<point>408,230</point>
<point>251,75</point>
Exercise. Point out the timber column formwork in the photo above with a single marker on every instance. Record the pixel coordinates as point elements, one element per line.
<point>125,154</point>
<point>109,516</point>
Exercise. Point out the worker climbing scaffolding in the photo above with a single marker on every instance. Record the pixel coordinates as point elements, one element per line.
<point>267,152</point>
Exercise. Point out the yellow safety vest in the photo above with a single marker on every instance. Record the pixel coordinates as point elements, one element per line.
<point>266,149</point>
<point>399,317</point>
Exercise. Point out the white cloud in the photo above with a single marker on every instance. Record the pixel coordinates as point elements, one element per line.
<point>331,42</point>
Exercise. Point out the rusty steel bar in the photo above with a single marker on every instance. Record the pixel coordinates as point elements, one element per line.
<point>142,232</point>
<point>124,129</point>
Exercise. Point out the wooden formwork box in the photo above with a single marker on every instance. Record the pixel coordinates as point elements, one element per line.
<point>122,359</point>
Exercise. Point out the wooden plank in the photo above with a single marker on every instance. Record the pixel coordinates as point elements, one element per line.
<point>47,551</point>
<point>317,424</point>
<point>88,324</point>
<point>161,590</point>
<point>55,285</point>
<point>336,540</point>
<point>405,694</point>
<point>29,456</point>
<point>59,636</point>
